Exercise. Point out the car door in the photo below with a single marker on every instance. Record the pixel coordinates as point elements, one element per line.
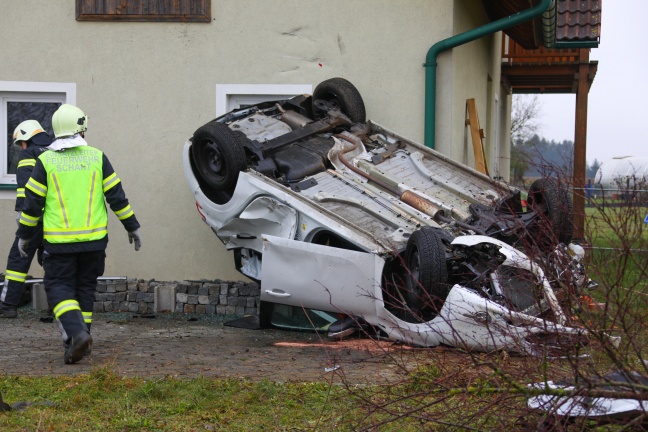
<point>320,277</point>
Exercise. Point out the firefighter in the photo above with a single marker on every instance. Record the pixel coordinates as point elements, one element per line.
<point>33,140</point>
<point>68,187</point>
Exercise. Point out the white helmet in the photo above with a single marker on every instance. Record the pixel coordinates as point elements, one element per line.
<point>69,120</point>
<point>26,130</point>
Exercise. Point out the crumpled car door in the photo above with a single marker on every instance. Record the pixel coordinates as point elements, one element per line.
<point>320,277</point>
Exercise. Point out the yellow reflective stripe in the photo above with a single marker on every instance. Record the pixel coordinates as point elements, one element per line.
<point>75,233</point>
<point>59,195</point>
<point>26,162</point>
<point>91,193</point>
<point>36,187</point>
<point>110,181</point>
<point>20,193</point>
<point>124,213</point>
<point>65,306</point>
<point>87,317</point>
<point>16,276</point>
<point>30,221</point>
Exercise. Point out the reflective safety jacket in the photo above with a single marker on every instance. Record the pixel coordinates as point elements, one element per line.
<point>26,162</point>
<point>70,185</point>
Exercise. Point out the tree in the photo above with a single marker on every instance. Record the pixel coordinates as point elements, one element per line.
<point>593,169</point>
<point>524,124</point>
<point>525,111</point>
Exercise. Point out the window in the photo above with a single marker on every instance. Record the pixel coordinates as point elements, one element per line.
<point>21,101</point>
<point>231,96</point>
<point>144,10</point>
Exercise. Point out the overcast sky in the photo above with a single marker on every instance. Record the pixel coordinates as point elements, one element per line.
<point>617,117</point>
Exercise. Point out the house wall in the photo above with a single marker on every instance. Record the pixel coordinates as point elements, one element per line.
<point>147,86</point>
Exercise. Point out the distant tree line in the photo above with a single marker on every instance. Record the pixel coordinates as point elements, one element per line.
<point>538,157</point>
<point>532,155</point>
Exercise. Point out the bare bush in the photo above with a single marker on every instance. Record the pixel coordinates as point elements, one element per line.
<point>567,381</point>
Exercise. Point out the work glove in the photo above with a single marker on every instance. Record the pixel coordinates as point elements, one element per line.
<point>22,245</point>
<point>135,235</point>
<point>18,218</point>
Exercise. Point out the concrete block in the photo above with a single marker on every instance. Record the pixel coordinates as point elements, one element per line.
<point>224,289</point>
<point>165,298</point>
<point>39,297</point>
<point>132,284</point>
<point>212,289</point>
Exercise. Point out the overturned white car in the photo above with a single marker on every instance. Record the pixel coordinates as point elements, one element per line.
<point>332,212</point>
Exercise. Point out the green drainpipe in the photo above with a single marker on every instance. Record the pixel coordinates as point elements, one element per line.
<point>460,39</point>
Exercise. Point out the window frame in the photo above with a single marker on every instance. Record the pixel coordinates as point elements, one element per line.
<point>22,91</point>
<point>227,94</point>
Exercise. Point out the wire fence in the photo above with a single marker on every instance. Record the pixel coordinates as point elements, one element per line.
<point>615,249</point>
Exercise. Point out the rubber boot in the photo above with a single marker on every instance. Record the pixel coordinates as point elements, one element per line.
<point>76,334</point>
<point>8,311</point>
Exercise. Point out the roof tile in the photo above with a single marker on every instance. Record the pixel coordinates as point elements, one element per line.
<point>578,20</point>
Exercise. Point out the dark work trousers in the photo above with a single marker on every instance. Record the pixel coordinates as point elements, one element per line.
<point>73,276</point>
<point>17,268</point>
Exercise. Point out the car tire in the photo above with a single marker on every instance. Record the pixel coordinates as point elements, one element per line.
<point>426,282</point>
<point>344,95</point>
<point>555,210</point>
<point>218,155</point>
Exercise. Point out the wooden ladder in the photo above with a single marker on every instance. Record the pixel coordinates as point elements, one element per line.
<point>477,137</point>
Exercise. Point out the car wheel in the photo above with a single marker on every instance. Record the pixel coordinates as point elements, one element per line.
<point>555,209</point>
<point>343,95</point>
<point>426,284</point>
<point>218,155</point>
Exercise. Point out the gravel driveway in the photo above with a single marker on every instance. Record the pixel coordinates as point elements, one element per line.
<point>187,346</point>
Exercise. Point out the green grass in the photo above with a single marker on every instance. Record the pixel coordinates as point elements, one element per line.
<point>616,226</point>
<point>620,240</point>
<point>104,401</point>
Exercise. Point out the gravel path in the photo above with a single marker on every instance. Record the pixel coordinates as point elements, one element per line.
<point>185,347</point>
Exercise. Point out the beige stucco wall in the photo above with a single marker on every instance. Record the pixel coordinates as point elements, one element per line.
<point>147,86</point>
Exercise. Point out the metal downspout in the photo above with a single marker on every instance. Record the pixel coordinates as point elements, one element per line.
<point>460,39</point>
